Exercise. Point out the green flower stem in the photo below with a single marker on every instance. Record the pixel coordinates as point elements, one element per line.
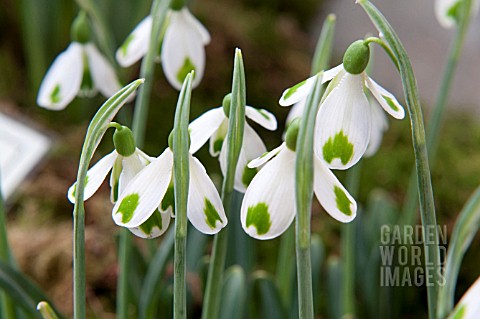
<point>234,142</point>
<point>181,179</point>
<point>436,119</point>
<point>463,233</point>
<point>158,13</point>
<point>425,191</point>
<point>95,132</point>
<point>303,198</point>
<point>100,28</point>
<point>6,305</point>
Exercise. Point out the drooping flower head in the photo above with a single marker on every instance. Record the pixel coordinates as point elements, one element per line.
<point>213,126</point>
<point>148,201</point>
<point>80,70</point>
<point>448,12</point>
<point>124,163</point>
<point>268,207</point>
<point>344,122</point>
<point>183,47</point>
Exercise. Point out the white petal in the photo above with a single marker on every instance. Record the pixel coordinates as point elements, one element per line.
<point>203,127</point>
<point>136,44</point>
<point>386,99</point>
<point>268,207</point>
<point>115,178</point>
<point>62,81</point>
<point>144,193</point>
<point>300,91</point>
<point>252,147</point>
<point>155,226</point>
<point>442,8</point>
<point>262,117</point>
<point>265,157</point>
<point>342,128</point>
<point>331,194</point>
<point>182,51</point>
<point>205,210</point>
<point>296,111</point>
<point>379,125</point>
<point>103,74</point>
<point>217,138</point>
<point>202,31</point>
<point>95,177</point>
<point>469,306</point>
<point>131,166</point>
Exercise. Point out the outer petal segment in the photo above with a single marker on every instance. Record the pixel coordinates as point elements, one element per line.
<point>103,74</point>
<point>386,99</point>
<point>265,157</point>
<point>331,194</point>
<point>202,128</point>
<point>62,81</point>
<point>268,207</point>
<point>95,177</point>
<point>136,44</point>
<point>155,226</point>
<point>205,208</point>
<point>342,127</point>
<point>262,117</point>
<point>468,307</point>
<point>144,193</point>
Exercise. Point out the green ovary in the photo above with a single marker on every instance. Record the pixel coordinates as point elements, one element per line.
<point>338,147</point>
<point>259,217</point>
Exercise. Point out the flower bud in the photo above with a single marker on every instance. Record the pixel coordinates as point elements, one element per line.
<point>356,57</point>
<point>80,30</point>
<point>292,134</point>
<point>124,141</point>
<point>227,101</point>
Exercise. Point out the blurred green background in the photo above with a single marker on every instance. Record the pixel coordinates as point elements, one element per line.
<point>277,41</point>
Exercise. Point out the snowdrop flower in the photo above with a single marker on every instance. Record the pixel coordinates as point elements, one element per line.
<point>345,119</point>
<point>151,195</point>
<point>268,207</point>
<point>183,47</point>
<point>468,307</point>
<point>213,125</point>
<point>80,70</point>
<point>448,11</point>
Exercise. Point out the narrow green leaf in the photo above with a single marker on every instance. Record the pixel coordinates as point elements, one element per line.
<point>465,229</point>
<point>152,285</point>
<point>181,179</point>
<point>318,256</point>
<point>21,289</point>
<point>425,191</point>
<point>233,294</point>
<point>266,297</point>
<point>334,294</point>
<point>234,140</point>
<point>46,311</point>
<point>323,50</point>
<point>95,131</point>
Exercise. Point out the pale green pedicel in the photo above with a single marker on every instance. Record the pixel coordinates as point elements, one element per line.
<point>294,89</point>
<point>186,68</point>
<point>343,203</point>
<point>259,217</point>
<point>338,147</point>
<point>127,207</point>
<point>211,213</point>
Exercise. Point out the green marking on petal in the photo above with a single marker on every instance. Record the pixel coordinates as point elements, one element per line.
<point>127,207</point>
<point>263,113</point>
<point>459,312</point>
<point>390,103</point>
<point>87,87</point>
<point>455,10</point>
<point>264,154</point>
<point>153,221</point>
<point>343,203</point>
<point>293,89</point>
<point>55,95</point>
<point>115,191</point>
<point>217,145</point>
<point>338,147</point>
<point>248,175</point>
<point>75,186</point>
<point>259,217</point>
<point>211,213</point>
<point>126,43</point>
<point>169,199</point>
<point>185,69</point>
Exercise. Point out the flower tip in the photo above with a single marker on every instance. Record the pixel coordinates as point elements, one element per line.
<point>238,52</point>
<point>41,305</point>
<point>332,17</point>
